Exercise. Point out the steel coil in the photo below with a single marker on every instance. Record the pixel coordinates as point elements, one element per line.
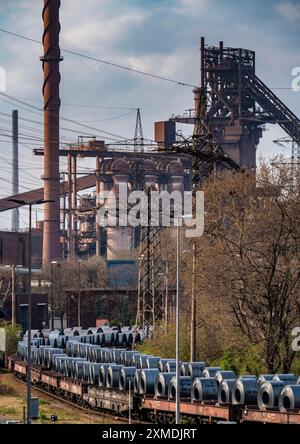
<point>245,391</point>
<point>225,390</point>
<point>268,394</point>
<point>142,362</point>
<point>287,378</point>
<point>113,376</point>
<point>210,372</point>
<point>162,364</point>
<point>263,378</point>
<point>117,353</point>
<point>79,369</point>
<point>204,389</point>
<point>103,374</point>
<point>224,374</point>
<point>147,382</point>
<point>162,383</point>
<point>171,366</point>
<point>126,376</point>
<point>137,381</point>
<point>195,369</point>
<point>289,398</point>
<point>184,369</point>
<point>127,358</point>
<point>94,373</point>
<point>152,362</point>
<point>185,385</point>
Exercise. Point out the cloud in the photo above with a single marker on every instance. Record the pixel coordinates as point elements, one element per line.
<point>288,10</point>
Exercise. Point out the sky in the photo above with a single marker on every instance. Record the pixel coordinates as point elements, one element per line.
<point>158,36</point>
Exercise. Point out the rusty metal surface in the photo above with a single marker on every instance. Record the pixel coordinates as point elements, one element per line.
<point>50,60</point>
<point>188,408</point>
<point>83,183</point>
<point>270,417</point>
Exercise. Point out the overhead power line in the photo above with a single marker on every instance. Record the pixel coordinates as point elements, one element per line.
<point>106,62</point>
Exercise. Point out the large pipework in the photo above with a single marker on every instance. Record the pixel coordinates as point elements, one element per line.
<point>51,59</point>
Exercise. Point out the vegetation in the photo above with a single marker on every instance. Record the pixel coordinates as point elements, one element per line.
<point>247,273</point>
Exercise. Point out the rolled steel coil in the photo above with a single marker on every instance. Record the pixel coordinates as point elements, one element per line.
<point>113,376</point>
<point>126,376</point>
<point>263,378</point>
<point>210,372</point>
<point>107,339</point>
<point>94,373</point>
<point>117,353</point>
<point>289,398</point>
<point>171,366</point>
<point>245,391</point>
<point>185,384</point>
<point>195,369</point>
<point>268,394</point>
<point>147,383</point>
<point>127,358</point>
<point>94,330</point>
<point>162,364</point>
<point>105,355</point>
<point>152,362</point>
<point>204,389</point>
<point>86,371</point>
<point>79,369</point>
<point>184,369</point>
<point>53,336</point>
<point>162,383</point>
<point>96,354</point>
<point>137,381</point>
<point>71,332</point>
<point>225,390</point>
<point>103,374</point>
<point>287,378</point>
<point>224,374</point>
<point>59,364</point>
<point>142,362</point>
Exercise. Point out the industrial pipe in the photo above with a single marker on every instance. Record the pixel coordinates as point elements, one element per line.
<point>51,59</point>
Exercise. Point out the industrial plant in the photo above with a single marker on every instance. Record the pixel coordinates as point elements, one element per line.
<point>89,299</point>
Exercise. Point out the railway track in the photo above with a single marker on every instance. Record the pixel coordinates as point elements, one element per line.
<point>79,407</point>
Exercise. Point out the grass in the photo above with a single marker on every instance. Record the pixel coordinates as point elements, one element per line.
<point>13,399</point>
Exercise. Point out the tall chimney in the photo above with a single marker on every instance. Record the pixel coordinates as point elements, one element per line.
<point>15,168</point>
<point>51,59</point>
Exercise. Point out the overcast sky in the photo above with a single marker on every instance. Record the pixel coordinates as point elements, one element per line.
<point>159,36</point>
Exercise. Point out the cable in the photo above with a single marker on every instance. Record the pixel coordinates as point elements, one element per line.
<point>66,119</point>
<point>115,65</point>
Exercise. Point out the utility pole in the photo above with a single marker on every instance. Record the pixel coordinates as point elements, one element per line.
<point>15,168</point>
<point>13,295</point>
<point>177,412</point>
<point>79,294</point>
<point>30,205</point>
<point>52,294</point>
<point>167,295</point>
<point>193,307</point>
